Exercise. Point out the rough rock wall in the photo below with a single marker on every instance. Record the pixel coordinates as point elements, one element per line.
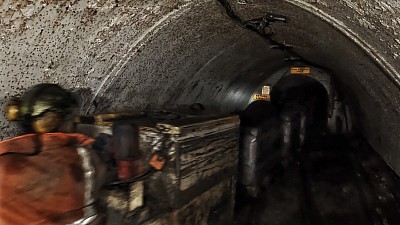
<point>80,44</point>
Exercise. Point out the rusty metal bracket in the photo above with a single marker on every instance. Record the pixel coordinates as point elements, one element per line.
<point>157,161</point>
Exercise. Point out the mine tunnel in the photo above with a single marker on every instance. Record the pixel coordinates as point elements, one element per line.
<point>167,55</point>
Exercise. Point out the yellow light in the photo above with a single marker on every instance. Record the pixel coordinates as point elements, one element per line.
<point>12,111</point>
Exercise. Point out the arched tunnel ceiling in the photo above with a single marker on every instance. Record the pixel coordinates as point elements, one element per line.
<point>123,55</point>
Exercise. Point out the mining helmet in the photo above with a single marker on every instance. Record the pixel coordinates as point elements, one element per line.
<point>42,107</point>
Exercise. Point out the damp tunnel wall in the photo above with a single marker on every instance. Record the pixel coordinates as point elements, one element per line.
<point>133,55</point>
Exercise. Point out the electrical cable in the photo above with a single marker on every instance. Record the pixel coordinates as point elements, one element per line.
<point>139,177</point>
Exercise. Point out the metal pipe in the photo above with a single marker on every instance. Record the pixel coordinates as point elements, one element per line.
<point>248,160</point>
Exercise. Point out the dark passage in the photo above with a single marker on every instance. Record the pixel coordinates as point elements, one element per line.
<point>292,171</point>
<point>333,181</point>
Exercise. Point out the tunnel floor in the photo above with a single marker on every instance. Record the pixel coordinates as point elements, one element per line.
<point>332,181</point>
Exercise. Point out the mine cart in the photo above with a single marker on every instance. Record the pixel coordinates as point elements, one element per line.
<point>170,168</point>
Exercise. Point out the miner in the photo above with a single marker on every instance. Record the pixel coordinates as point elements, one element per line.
<point>49,175</point>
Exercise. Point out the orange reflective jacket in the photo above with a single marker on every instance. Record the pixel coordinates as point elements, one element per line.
<point>42,188</point>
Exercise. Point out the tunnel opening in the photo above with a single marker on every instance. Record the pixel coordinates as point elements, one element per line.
<point>306,94</point>
<point>273,131</point>
<point>294,148</point>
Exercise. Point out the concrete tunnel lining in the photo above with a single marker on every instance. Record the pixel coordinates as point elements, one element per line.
<point>159,54</point>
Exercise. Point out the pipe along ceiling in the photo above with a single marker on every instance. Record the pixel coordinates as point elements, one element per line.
<point>134,55</point>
